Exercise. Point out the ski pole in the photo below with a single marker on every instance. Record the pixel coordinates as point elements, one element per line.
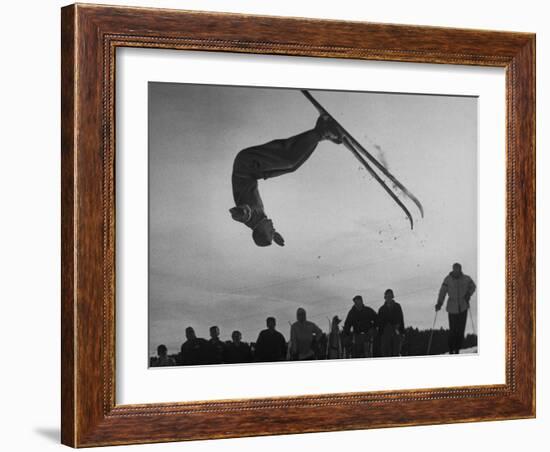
<point>431,334</point>
<point>473,323</point>
<point>327,348</point>
<point>289,347</point>
<point>371,348</point>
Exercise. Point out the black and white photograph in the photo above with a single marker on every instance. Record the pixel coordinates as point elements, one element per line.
<point>290,224</point>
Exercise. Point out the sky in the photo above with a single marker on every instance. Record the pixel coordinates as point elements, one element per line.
<point>344,235</point>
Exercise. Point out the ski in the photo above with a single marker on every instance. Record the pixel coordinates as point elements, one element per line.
<point>360,152</point>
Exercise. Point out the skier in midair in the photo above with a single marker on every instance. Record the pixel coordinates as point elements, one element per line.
<point>269,160</point>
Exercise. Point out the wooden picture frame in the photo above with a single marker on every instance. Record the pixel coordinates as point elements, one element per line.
<point>90,35</point>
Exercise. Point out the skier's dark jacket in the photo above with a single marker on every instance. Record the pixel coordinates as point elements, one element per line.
<point>361,321</point>
<point>237,353</point>
<point>392,315</point>
<point>272,159</point>
<point>215,351</point>
<point>193,352</point>
<point>270,346</point>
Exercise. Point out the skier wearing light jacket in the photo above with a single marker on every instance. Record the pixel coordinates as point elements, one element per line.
<point>459,288</point>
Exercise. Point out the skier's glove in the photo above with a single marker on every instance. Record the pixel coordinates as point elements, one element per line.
<point>278,239</point>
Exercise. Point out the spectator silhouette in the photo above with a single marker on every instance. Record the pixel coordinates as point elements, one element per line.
<point>361,320</point>
<point>162,359</point>
<point>237,351</point>
<point>334,345</point>
<point>193,350</point>
<point>303,333</point>
<point>391,325</point>
<point>216,348</point>
<point>271,344</point>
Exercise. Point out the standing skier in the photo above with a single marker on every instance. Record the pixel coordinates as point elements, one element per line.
<point>391,325</point>
<point>460,288</point>
<point>362,321</point>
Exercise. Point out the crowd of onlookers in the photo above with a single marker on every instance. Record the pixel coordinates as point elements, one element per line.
<point>365,333</point>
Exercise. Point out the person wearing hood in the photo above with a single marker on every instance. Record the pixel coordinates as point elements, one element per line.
<point>458,288</point>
